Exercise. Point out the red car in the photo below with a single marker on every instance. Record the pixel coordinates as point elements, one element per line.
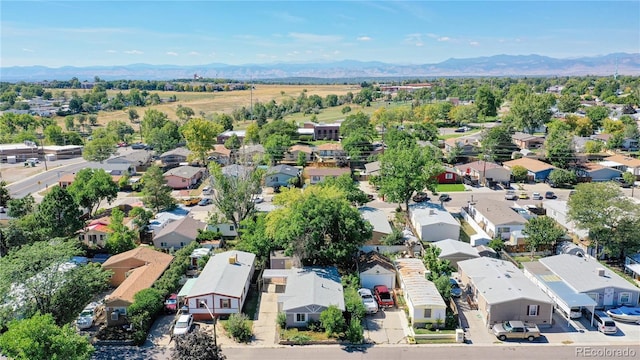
<point>171,304</point>
<point>383,296</point>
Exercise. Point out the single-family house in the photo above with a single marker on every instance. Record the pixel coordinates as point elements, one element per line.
<point>433,222</point>
<point>497,219</point>
<point>468,145</point>
<point>95,233</point>
<point>221,154</point>
<point>237,171</point>
<point>623,163</point>
<point>225,228</point>
<point>481,170</point>
<point>183,177</point>
<point>222,286</point>
<point>294,152</point>
<point>592,172</point>
<point>449,176</point>
<point>318,174</point>
<point>527,141</point>
<point>632,265</point>
<point>278,259</point>
<point>502,292</point>
<point>536,169</point>
<point>425,305</point>
<point>165,217</point>
<point>329,152</point>
<point>587,276</point>
<point>250,154</point>
<point>198,254</point>
<point>376,269</point>
<point>307,292</point>
<point>558,210</point>
<point>132,271</point>
<point>175,157</point>
<point>565,298</point>
<point>455,251</point>
<point>139,160</point>
<point>378,219</point>
<point>281,175</point>
<point>222,138</point>
<point>178,234</point>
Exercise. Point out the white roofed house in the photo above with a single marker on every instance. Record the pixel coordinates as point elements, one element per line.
<point>455,251</point>
<point>426,306</point>
<point>378,219</point>
<point>308,291</point>
<point>433,222</point>
<point>496,218</point>
<point>502,292</point>
<point>222,285</point>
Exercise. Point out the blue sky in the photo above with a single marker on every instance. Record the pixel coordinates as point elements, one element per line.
<point>88,33</point>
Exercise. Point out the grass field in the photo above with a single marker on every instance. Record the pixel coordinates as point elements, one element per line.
<point>449,188</point>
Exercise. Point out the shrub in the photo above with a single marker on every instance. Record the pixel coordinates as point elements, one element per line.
<point>353,304</point>
<point>281,320</point>
<point>355,332</point>
<point>315,326</point>
<point>148,301</point>
<point>332,320</point>
<point>239,328</point>
<point>301,339</point>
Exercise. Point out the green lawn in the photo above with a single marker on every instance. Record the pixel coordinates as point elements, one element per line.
<point>443,188</point>
<point>436,341</point>
<point>293,333</point>
<point>429,331</point>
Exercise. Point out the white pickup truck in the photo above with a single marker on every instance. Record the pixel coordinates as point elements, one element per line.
<point>516,330</point>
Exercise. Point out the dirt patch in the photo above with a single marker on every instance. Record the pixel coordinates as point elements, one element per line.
<point>14,172</point>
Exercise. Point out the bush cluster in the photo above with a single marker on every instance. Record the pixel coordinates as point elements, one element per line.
<point>239,327</point>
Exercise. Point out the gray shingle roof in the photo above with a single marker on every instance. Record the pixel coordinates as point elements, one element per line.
<point>451,247</point>
<point>377,218</point>
<point>581,273</point>
<point>219,276</point>
<point>283,169</point>
<point>186,171</point>
<point>312,286</point>
<point>500,281</point>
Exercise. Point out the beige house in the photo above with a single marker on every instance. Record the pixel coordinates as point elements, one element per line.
<point>178,234</point>
<point>317,174</point>
<point>133,270</point>
<point>292,155</point>
<point>502,292</point>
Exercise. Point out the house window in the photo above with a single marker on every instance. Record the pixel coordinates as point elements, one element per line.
<point>202,303</point>
<point>184,180</point>
<point>427,313</point>
<point>163,244</point>
<point>448,176</point>
<point>625,298</point>
<point>315,178</point>
<point>594,296</point>
<point>231,227</point>
<point>181,244</point>
<point>225,303</point>
<point>81,238</point>
<point>532,310</point>
<point>301,318</point>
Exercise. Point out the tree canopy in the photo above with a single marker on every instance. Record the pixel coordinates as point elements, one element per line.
<point>541,230</point>
<point>101,147</point>
<point>58,213</point>
<point>233,193</point>
<point>91,186</point>
<point>529,112</point>
<point>200,135</point>
<point>156,194</point>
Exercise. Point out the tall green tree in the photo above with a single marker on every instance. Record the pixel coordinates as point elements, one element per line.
<point>604,210</point>
<point>349,187</point>
<point>156,194</point>
<point>541,230</point>
<point>39,338</point>
<point>597,114</point>
<point>58,213</point>
<point>200,135</point>
<point>276,145</point>
<point>559,145</point>
<point>233,194</point>
<point>121,238</point>
<point>318,225</point>
<point>101,147</point>
<point>407,169</point>
<point>531,111</point>
<point>92,186</point>
<point>4,194</point>
<point>358,122</point>
<point>568,103</point>
<point>485,101</point>
<point>496,144</point>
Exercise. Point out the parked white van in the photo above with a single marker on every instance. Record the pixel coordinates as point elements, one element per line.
<point>604,323</point>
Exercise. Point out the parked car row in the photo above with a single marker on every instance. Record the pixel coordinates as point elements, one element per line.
<point>380,298</point>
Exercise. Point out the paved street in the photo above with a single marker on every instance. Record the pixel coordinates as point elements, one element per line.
<point>36,183</point>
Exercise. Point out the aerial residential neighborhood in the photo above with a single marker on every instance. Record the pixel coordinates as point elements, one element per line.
<point>428,199</point>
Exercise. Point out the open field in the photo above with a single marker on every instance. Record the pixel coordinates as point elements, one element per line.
<point>226,102</point>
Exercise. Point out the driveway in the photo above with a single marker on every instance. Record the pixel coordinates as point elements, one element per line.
<point>264,328</point>
<point>160,332</point>
<point>475,330</point>
<point>386,327</point>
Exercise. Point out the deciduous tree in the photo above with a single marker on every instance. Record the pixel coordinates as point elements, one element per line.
<point>530,112</point>
<point>559,145</point>
<point>233,194</point>
<point>541,230</point>
<point>200,135</point>
<point>485,101</point>
<point>58,213</point>
<point>156,194</point>
<point>101,147</point>
<point>92,186</point>
<point>121,238</point>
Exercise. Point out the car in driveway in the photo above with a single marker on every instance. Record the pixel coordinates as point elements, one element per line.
<point>138,146</point>
<point>383,296</point>
<point>368,301</point>
<point>87,317</point>
<point>620,181</point>
<point>456,291</point>
<point>183,325</point>
<point>171,304</point>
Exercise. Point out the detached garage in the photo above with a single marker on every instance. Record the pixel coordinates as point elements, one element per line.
<point>376,269</point>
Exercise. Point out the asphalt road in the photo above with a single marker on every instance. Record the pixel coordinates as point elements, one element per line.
<point>512,350</point>
<point>41,181</point>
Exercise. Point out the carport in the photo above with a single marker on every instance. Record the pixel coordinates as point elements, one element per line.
<point>563,296</point>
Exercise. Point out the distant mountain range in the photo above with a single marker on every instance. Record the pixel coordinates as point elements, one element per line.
<point>498,65</point>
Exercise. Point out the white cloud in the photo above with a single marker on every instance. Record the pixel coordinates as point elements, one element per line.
<point>474,43</point>
<point>27,50</point>
<point>194,53</point>
<point>111,51</point>
<point>364,38</point>
<point>444,38</point>
<point>414,39</point>
<point>172,53</point>
<point>133,52</point>
<point>315,38</point>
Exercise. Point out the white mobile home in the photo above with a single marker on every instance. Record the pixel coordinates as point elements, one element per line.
<point>425,304</point>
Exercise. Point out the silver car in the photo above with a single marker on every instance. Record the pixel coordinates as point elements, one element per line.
<point>368,301</point>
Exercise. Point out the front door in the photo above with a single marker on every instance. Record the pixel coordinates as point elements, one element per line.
<point>608,297</point>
